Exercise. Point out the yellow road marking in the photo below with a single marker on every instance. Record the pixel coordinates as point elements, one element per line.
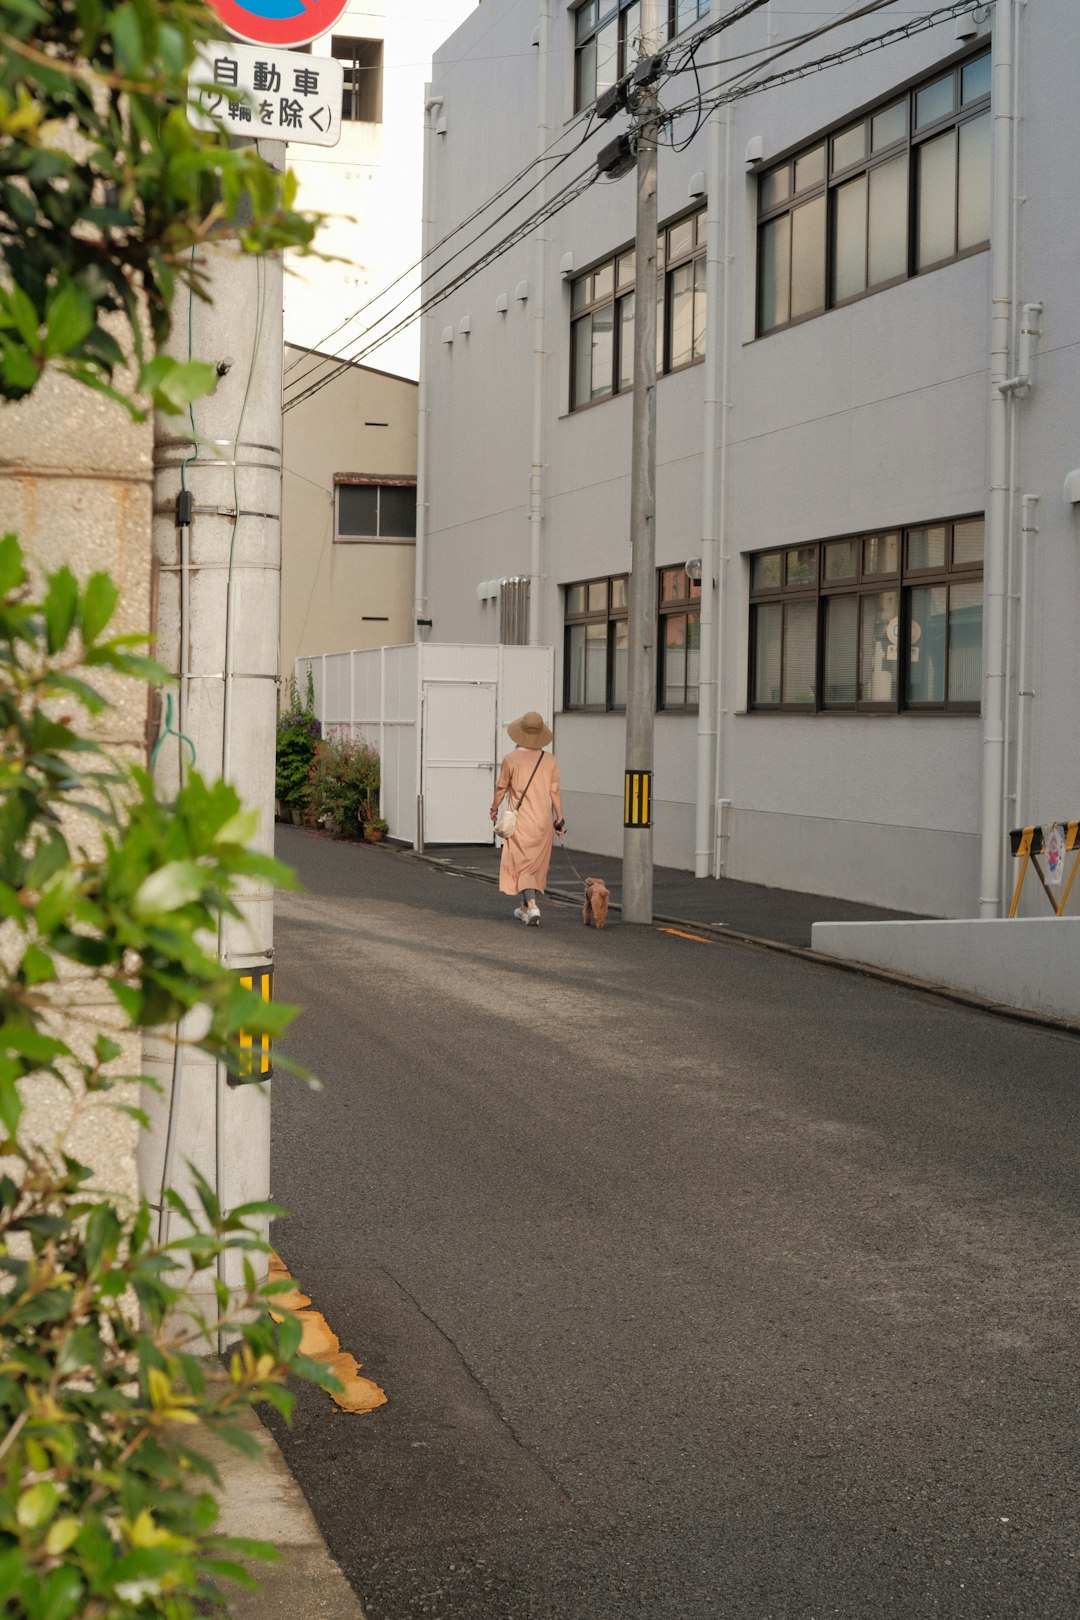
<point>321,1343</point>
<point>701,938</point>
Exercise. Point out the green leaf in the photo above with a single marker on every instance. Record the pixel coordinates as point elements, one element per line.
<point>10,904</point>
<point>68,319</point>
<point>99,602</point>
<point>20,372</point>
<point>139,1115</point>
<point>48,858</point>
<point>10,1104</point>
<point>224,1569</point>
<point>37,1505</point>
<point>62,1534</point>
<point>12,1569</point>
<point>173,384</point>
<point>175,884</point>
<point>30,1043</point>
<point>291,1332</point>
<point>38,966</point>
<point>12,572</point>
<point>17,310</point>
<point>61,1595</point>
<point>239,829</point>
<point>61,605</point>
<point>316,1372</point>
<point>106,1049</point>
<point>127,38</point>
<point>57,899</point>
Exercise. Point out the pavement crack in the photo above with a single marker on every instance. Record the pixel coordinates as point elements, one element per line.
<point>527,1450</point>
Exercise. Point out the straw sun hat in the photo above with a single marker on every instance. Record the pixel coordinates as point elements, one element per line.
<point>530,731</point>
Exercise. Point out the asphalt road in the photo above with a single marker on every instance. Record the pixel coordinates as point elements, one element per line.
<point>704,1283</point>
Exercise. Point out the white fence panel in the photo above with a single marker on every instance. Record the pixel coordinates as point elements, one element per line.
<point>377,695</point>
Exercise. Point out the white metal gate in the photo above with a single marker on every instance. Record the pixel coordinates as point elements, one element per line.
<point>458,761</point>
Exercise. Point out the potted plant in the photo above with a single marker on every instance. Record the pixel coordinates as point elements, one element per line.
<point>375,830</point>
<point>344,777</point>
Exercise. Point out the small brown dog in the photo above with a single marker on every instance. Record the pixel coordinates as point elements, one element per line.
<point>595,908</point>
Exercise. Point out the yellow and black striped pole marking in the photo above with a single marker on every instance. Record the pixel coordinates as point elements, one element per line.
<point>1027,845</point>
<point>637,805</point>
<point>255,1064</point>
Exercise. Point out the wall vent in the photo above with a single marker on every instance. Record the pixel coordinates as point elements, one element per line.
<point>514,611</point>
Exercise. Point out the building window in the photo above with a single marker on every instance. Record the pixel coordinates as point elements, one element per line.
<point>374,509</point>
<point>905,188</point>
<point>361,97</point>
<point>679,641</point>
<point>602,314</point>
<point>874,623</point>
<point>606,41</point>
<point>596,645</point>
<point>597,642</point>
<point>684,13</point>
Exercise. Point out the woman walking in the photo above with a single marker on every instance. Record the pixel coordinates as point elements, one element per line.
<point>531,778</point>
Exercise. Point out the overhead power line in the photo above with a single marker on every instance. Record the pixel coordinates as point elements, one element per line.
<point>743,9</point>
<point>573,189</point>
<point>547,156</point>
<point>702,104</point>
<point>845,53</point>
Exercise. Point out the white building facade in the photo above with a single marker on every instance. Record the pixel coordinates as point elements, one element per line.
<point>867,543</point>
<point>371,186</point>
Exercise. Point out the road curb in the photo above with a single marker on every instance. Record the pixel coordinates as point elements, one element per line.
<point>259,1498</point>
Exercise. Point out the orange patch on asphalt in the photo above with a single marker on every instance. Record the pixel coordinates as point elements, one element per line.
<point>319,1341</point>
<point>701,938</point>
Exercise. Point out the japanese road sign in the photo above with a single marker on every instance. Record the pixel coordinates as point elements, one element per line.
<point>278,22</point>
<point>284,95</point>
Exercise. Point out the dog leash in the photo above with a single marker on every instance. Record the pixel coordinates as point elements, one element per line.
<point>571,865</point>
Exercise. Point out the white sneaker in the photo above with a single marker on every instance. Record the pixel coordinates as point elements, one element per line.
<point>521,914</point>
<point>533,915</point>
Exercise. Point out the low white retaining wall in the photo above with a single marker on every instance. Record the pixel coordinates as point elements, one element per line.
<point>1029,963</point>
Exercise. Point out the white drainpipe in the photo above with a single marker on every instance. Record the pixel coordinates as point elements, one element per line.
<point>718,182</point>
<point>432,105</point>
<point>992,820</point>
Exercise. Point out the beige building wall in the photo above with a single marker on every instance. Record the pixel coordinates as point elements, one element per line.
<point>75,486</point>
<point>337,595</point>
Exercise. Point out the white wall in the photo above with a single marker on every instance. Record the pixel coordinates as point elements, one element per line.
<point>372,183</point>
<point>1029,964</point>
<point>869,416</point>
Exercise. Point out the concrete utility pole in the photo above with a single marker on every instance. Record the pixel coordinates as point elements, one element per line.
<point>217,583</point>
<point>538,297</point>
<point>641,671</point>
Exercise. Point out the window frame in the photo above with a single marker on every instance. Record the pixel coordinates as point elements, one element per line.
<point>858,586</point>
<point>605,12</point>
<point>352,62</point>
<point>668,267</point>
<point>835,179</point>
<point>687,607</point>
<point>369,481</point>
<point>609,615</point>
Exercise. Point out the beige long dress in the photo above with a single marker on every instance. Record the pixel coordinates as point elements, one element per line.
<point>527,855</point>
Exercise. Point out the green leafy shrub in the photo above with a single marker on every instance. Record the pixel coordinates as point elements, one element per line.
<point>298,731</point>
<point>344,779</point>
<point>107,190</point>
<point>103,1510</point>
<point>107,193</point>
